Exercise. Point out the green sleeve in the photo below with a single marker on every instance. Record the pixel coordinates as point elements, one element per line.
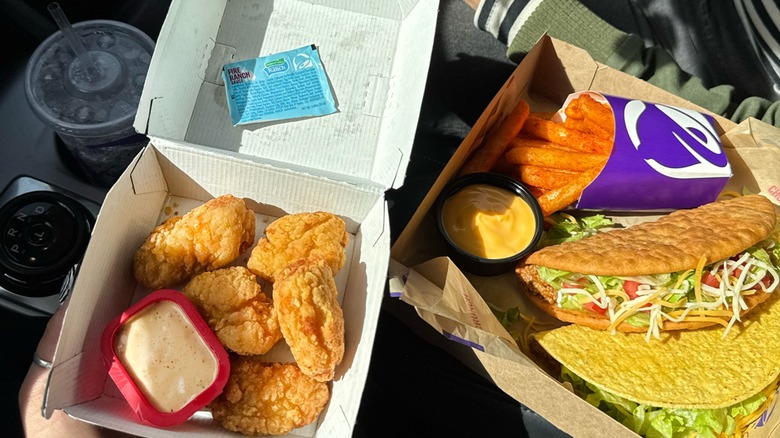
<point>570,21</point>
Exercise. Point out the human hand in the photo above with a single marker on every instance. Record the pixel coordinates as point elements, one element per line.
<point>33,388</point>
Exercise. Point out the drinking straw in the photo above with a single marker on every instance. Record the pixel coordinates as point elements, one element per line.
<point>73,40</point>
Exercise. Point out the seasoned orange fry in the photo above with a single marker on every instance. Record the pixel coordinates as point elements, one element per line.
<point>586,107</point>
<point>522,140</point>
<point>537,191</point>
<point>554,158</point>
<point>543,177</point>
<point>558,133</point>
<point>496,142</point>
<point>558,199</point>
<point>588,126</point>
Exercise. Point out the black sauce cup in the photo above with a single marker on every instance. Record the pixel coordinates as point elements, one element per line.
<point>473,263</point>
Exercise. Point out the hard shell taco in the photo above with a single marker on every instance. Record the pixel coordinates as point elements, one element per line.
<point>687,383</point>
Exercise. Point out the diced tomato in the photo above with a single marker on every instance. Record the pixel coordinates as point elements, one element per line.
<point>593,307</point>
<point>767,280</point>
<point>631,287</point>
<point>737,273</point>
<point>710,280</point>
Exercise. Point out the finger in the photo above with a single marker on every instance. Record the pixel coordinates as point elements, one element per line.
<point>48,341</point>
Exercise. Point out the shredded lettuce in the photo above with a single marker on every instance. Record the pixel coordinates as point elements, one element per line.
<point>569,229</point>
<point>570,302</point>
<point>607,282</point>
<point>555,277</point>
<point>639,319</point>
<point>748,406</point>
<point>761,254</point>
<point>654,422</point>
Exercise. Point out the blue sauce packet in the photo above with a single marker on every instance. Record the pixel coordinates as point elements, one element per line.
<point>284,85</point>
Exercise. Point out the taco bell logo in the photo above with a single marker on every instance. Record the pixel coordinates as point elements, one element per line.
<point>683,145</point>
<point>663,158</point>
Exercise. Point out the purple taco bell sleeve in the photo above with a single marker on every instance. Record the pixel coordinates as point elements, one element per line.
<point>663,158</point>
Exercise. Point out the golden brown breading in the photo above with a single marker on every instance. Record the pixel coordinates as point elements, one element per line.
<point>296,236</point>
<point>310,317</point>
<point>208,237</point>
<point>675,242</point>
<point>268,399</point>
<point>234,306</point>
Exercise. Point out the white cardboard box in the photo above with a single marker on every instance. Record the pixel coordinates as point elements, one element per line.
<point>376,55</point>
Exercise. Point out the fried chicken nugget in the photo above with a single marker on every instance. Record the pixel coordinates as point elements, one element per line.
<point>268,398</point>
<point>296,236</point>
<point>234,306</point>
<point>208,237</point>
<point>310,317</point>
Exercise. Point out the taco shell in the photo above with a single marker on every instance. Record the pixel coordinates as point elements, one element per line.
<point>698,369</point>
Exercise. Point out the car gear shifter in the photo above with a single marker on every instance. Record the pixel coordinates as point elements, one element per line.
<point>45,231</point>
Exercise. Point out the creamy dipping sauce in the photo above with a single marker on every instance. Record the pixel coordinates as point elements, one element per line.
<point>165,355</point>
<point>488,221</point>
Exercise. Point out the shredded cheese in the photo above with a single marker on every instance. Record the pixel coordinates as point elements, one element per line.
<point>602,292</point>
<point>682,278</point>
<point>568,217</point>
<point>550,221</point>
<point>618,293</point>
<point>702,312</point>
<point>533,321</point>
<point>628,312</point>
<point>532,325</point>
<point>527,334</point>
<point>671,305</point>
<point>724,304</point>
<point>697,278</point>
<point>720,321</point>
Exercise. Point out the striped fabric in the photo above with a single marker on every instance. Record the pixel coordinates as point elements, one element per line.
<point>504,18</point>
<point>761,19</point>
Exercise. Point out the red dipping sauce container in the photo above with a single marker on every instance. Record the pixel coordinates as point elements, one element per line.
<point>164,358</point>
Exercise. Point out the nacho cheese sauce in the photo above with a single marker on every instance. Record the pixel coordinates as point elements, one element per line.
<point>166,356</point>
<point>488,221</point>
